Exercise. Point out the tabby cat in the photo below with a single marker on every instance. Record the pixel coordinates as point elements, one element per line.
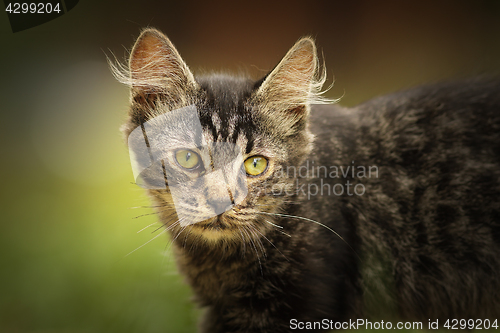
<point>287,211</point>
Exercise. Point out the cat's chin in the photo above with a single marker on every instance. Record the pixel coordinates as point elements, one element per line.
<point>216,223</point>
<point>221,227</point>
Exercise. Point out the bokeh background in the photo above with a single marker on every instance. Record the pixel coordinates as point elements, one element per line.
<point>71,257</point>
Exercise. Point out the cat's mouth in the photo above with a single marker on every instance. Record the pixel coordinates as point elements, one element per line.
<point>217,228</point>
<point>217,223</point>
<point>226,227</point>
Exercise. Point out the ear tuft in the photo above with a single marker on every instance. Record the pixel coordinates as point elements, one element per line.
<point>154,66</point>
<point>295,82</point>
<point>158,78</point>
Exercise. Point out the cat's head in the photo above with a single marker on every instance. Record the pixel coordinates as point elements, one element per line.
<point>213,150</point>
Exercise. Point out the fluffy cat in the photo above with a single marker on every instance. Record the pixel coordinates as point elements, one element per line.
<point>284,208</point>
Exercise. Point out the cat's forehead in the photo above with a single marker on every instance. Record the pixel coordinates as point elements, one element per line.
<point>225,95</point>
<point>226,89</point>
<point>224,111</point>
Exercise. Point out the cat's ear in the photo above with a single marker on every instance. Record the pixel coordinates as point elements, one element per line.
<point>294,83</point>
<point>156,70</point>
<point>155,63</point>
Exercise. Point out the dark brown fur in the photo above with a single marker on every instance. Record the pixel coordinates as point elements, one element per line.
<point>421,242</point>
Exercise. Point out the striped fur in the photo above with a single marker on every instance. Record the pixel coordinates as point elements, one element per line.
<point>422,240</point>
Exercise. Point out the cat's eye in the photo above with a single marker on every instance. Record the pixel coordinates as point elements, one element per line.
<point>187,159</point>
<point>255,165</point>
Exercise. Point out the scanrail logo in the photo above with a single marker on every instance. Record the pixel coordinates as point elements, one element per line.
<point>28,14</point>
<point>327,324</point>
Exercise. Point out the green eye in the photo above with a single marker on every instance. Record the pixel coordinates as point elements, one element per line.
<point>187,159</point>
<point>255,165</point>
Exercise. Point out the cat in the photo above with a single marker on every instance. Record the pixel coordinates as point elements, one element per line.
<point>287,211</point>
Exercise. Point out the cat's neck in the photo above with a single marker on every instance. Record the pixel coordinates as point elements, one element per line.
<point>213,267</point>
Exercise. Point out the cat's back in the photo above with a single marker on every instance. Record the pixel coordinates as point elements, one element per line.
<point>439,128</point>
<point>446,117</point>
<point>432,213</point>
<point>438,151</point>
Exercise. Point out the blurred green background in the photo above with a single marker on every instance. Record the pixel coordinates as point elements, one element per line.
<point>67,222</point>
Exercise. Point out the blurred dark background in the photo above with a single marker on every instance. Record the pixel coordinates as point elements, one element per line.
<point>67,226</point>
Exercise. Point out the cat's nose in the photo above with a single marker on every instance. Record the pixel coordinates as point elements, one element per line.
<point>220,206</point>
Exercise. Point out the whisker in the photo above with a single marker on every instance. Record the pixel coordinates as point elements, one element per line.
<point>148,214</point>
<point>149,241</point>
<point>251,229</point>
<point>152,239</point>
<point>281,201</point>
<point>170,227</point>
<point>278,226</point>
<point>193,244</point>
<point>158,206</point>
<point>152,224</point>
<point>161,226</point>
<point>316,222</point>
<point>255,249</point>
<point>180,232</point>
<point>271,242</point>
<point>243,242</point>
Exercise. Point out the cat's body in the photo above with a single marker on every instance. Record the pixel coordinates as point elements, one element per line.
<point>406,190</point>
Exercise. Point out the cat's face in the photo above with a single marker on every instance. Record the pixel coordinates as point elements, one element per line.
<point>212,150</point>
